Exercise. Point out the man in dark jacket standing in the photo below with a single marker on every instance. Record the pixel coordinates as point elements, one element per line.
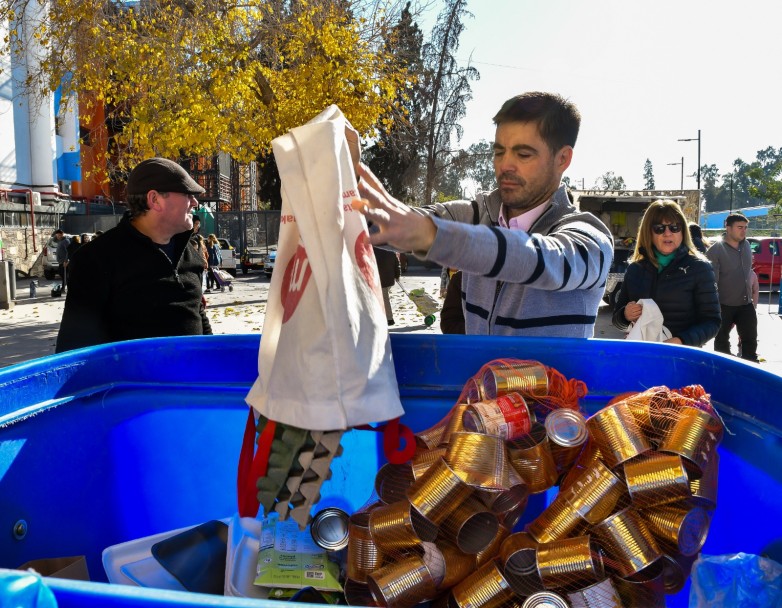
<point>732,261</point>
<point>141,279</point>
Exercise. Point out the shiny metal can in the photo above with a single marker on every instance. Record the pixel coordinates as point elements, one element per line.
<point>515,376</point>
<point>545,599</point>
<point>329,529</point>
<point>616,432</point>
<point>364,556</point>
<point>655,479</point>
<point>628,542</point>
<point>484,588</point>
<point>567,434</point>
<point>506,416</point>
<point>677,529</point>
<point>531,456</point>
<point>570,563</point>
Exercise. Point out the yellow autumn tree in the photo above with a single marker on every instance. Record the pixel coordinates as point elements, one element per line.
<point>198,77</point>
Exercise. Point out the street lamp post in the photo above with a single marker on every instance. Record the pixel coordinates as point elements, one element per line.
<point>698,139</point>
<point>681,162</point>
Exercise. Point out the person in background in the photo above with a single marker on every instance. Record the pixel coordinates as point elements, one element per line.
<point>731,258</point>
<point>451,315</point>
<point>142,278</point>
<point>667,268</point>
<point>698,240</point>
<point>390,270</point>
<point>62,253</point>
<point>73,247</point>
<point>532,264</point>
<point>214,258</point>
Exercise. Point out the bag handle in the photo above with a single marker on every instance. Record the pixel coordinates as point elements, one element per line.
<point>252,467</point>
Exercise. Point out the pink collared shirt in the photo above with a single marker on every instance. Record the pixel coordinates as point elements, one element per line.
<point>525,220</point>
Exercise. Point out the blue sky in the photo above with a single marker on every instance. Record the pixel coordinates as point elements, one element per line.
<point>643,74</point>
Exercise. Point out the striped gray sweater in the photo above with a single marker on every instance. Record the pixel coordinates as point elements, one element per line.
<point>547,282</point>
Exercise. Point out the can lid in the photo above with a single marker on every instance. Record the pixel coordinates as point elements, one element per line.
<point>471,421</point>
<point>329,529</point>
<point>545,599</point>
<point>566,427</point>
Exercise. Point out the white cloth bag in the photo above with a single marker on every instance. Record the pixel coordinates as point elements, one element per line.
<point>649,326</point>
<point>325,358</point>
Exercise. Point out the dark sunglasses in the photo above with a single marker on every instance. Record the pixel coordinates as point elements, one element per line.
<point>660,228</point>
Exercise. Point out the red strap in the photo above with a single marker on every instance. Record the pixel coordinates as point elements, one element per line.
<point>393,432</point>
<point>252,467</point>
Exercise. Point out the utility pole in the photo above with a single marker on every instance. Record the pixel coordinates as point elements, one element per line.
<point>698,139</point>
<point>681,186</point>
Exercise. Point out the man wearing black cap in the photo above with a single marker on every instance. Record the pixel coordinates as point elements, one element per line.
<point>141,279</point>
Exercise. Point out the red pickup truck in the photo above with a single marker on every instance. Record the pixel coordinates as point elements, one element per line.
<point>766,259</point>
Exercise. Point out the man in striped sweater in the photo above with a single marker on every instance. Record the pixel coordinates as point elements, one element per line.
<point>532,264</point>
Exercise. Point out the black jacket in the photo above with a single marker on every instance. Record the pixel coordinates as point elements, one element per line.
<point>388,266</point>
<point>121,286</point>
<point>685,291</point>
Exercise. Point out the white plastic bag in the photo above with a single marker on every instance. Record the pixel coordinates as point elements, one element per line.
<point>325,359</point>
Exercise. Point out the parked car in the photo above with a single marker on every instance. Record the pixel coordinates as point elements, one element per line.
<point>271,258</point>
<point>228,254</point>
<point>766,259</point>
<point>253,258</point>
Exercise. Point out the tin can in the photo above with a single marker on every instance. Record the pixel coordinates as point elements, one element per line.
<point>656,479</point>
<point>531,456</point>
<point>570,563</point>
<point>458,565</point>
<point>508,505</point>
<point>545,599</point>
<point>481,461</point>
<point>599,595</point>
<point>676,570</point>
<point>473,390</point>
<point>506,416</point>
<point>392,482</point>
<point>329,529</point>
<point>364,556</point>
<point>438,492</point>
<point>471,526</point>
<point>454,424</point>
<point>695,436</point>
<point>403,583</point>
<point>617,434</point>
<point>424,459</point>
<point>567,434</point>
<point>357,594</point>
<point>515,376</point>
<point>399,526</point>
<point>518,558</point>
<point>489,554</point>
<point>679,530</point>
<point>628,542</point>
<point>484,588</point>
<point>646,589</point>
<point>704,490</point>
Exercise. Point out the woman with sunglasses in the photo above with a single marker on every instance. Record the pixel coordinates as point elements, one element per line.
<point>667,268</point>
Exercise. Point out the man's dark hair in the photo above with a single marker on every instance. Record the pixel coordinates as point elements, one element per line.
<point>137,204</point>
<point>735,217</point>
<point>59,231</point>
<point>557,118</point>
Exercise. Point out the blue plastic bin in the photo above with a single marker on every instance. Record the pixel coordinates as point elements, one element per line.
<point>113,443</point>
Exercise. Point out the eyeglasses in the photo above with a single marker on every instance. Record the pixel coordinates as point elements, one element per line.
<point>660,228</point>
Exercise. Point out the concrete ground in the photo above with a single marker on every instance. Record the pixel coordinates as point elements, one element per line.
<point>29,329</point>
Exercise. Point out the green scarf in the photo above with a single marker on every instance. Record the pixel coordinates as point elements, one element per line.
<point>663,260</point>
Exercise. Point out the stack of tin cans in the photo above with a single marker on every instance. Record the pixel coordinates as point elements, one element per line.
<point>636,489</point>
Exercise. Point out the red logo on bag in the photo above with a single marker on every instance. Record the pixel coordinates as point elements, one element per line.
<point>366,259</point>
<point>294,282</point>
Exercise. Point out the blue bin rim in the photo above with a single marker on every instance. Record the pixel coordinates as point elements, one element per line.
<point>612,366</point>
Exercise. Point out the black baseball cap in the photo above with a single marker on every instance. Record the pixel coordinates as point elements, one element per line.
<point>162,175</point>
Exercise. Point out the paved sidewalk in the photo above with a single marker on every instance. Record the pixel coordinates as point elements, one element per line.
<point>29,329</point>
